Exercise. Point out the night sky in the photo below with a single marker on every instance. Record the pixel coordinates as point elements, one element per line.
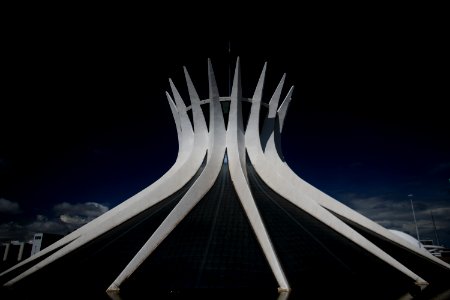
<point>85,123</point>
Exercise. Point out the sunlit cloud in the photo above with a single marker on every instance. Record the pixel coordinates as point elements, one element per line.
<point>74,220</point>
<point>89,210</point>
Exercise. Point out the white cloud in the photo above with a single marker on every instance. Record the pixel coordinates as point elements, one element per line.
<point>10,207</point>
<point>68,217</point>
<point>76,215</point>
<point>75,220</point>
<point>89,210</point>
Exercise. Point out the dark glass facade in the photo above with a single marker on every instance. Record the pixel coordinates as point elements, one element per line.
<point>214,247</point>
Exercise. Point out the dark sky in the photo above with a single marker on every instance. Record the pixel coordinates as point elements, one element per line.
<point>85,123</point>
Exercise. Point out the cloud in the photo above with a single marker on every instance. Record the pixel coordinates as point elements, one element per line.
<point>398,215</point>
<point>12,231</point>
<point>44,224</point>
<point>9,207</point>
<point>89,210</point>
<point>72,216</point>
<point>78,214</point>
<point>66,218</point>
<point>75,220</point>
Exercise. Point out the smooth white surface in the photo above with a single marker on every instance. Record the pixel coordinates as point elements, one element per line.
<point>410,239</point>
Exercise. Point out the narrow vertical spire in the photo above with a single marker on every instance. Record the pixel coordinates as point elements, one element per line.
<point>213,90</point>
<point>273,103</point>
<point>197,113</point>
<point>278,126</point>
<point>229,67</point>
<point>269,123</point>
<point>216,121</point>
<point>257,95</point>
<point>252,137</point>
<point>253,119</point>
<point>282,110</point>
<point>235,122</point>
<point>176,118</point>
<point>179,101</point>
<point>186,125</point>
<point>236,92</point>
<point>191,89</point>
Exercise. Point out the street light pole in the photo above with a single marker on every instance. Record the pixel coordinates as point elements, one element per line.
<point>414,216</point>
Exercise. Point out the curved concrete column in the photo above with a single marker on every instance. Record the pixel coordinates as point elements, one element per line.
<point>197,142</point>
<point>273,176</point>
<point>200,187</point>
<point>274,155</point>
<point>238,171</point>
<point>192,151</point>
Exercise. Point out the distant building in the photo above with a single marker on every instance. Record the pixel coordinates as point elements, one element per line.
<point>13,252</point>
<point>439,251</point>
<point>42,240</point>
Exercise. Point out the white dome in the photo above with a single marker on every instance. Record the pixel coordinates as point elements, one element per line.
<point>410,239</point>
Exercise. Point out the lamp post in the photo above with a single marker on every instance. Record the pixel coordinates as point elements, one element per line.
<point>414,216</point>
